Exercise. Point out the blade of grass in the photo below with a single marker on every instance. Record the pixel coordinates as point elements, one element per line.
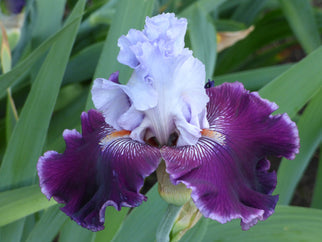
<point>18,203</point>
<point>317,194</point>
<point>248,10</point>
<point>199,230</point>
<point>294,88</point>
<point>203,38</point>
<point>72,232</point>
<point>21,69</point>
<point>152,211</point>
<point>287,224</point>
<point>18,165</point>
<point>253,79</point>
<point>48,225</point>
<point>6,62</point>
<point>30,222</point>
<point>269,29</point>
<point>48,19</point>
<point>13,231</point>
<point>82,66</point>
<point>10,120</point>
<point>11,115</point>
<point>25,145</point>
<point>290,172</point>
<point>114,219</point>
<point>66,118</point>
<point>207,5</point>
<point>300,16</point>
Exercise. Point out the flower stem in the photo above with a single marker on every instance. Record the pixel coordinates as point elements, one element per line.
<point>163,232</point>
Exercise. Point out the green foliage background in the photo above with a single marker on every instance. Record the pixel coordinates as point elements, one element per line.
<point>65,44</point>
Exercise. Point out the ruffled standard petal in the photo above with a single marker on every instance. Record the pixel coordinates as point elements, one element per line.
<point>165,93</point>
<point>102,167</point>
<point>167,32</point>
<point>111,98</point>
<point>227,169</point>
<point>164,30</point>
<point>175,82</point>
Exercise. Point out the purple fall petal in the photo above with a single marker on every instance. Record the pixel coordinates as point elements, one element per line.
<point>99,168</point>
<point>227,169</point>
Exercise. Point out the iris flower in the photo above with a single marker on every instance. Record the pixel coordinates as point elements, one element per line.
<point>214,140</point>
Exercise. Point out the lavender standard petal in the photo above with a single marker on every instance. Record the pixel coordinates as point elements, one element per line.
<point>98,168</point>
<point>227,169</point>
<point>166,90</point>
<point>111,98</point>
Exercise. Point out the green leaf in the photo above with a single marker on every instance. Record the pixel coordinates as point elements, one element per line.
<point>286,224</point>
<point>206,5</point>
<point>253,79</point>
<point>5,53</point>
<point>2,140</point>
<point>198,232</point>
<point>270,56</point>
<point>317,194</point>
<point>27,140</point>
<point>269,29</point>
<point>11,112</point>
<point>149,214</point>
<point>48,225</point>
<point>203,38</point>
<point>300,16</point>
<point>13,231</point>
<point>21,69</point>
<point>113,222</point>
<point>103,15</point>
<point>72,232</point>
<point>18,203</point>
<point>66,118</point>
<point>290,172</point>
<point>82,66</point>
<point>228,25</point>
<point>11,115</point>
<point>30,222</point>
<point>48,19</point>
<point>248,10</point>
<point>291,90</point>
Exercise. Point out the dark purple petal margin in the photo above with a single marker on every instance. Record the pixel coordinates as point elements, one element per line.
<point>227,169</point>
<point>94,172</point>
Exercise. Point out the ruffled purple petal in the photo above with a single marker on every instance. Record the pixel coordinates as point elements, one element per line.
<point>102,167</point>
<point>227,169</point>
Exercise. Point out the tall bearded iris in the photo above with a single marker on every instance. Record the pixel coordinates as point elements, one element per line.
<point>215,141</point>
